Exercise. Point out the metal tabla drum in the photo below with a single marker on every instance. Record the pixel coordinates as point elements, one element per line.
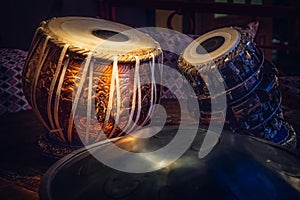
<point>228,56</point>
<point>90,79</point>
<point>238,167</point>
<point>228,51</point>
<point>224,57</point>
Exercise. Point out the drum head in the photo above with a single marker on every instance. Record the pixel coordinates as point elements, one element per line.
<point>212,46</point>
<point>238,167</point>
<point>103,38</point>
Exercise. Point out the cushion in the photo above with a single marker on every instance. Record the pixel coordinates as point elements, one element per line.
<point>12,98</point>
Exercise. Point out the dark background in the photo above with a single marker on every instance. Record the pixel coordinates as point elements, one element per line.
<point>19,20</point>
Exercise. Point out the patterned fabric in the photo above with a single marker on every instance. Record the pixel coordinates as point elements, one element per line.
<point>172,45</point>
<point>290,86</point>
<point>12,98</point>
<point>173,79</point>
<point>290,91</point>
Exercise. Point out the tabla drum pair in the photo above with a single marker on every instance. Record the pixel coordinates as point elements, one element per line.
<point>90,79</point>
<point>226,62</point>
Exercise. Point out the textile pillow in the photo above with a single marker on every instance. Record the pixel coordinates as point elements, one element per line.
<point>172,45</point>
<point>12,98</point>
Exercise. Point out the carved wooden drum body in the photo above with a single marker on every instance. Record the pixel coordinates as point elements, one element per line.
<point>90,79</point>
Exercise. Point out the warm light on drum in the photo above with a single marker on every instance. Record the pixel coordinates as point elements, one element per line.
<point>90,79</point>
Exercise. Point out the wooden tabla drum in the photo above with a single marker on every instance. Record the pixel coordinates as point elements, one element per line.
<point>89,79</point>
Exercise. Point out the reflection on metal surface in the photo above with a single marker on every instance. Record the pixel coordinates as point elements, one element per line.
<point>239,167</point>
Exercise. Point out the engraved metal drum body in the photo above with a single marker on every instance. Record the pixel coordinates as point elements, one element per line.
<point>90,79</point>
<point>228,51</point>
<point>228,56</point>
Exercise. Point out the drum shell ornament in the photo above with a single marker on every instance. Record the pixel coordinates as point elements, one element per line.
<point>69,85</point>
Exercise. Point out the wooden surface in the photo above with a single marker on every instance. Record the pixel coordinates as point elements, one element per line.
<point>22,164</point>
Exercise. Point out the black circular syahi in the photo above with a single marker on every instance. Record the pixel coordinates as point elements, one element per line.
<point>210,45</point>
<point>110,35</point>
